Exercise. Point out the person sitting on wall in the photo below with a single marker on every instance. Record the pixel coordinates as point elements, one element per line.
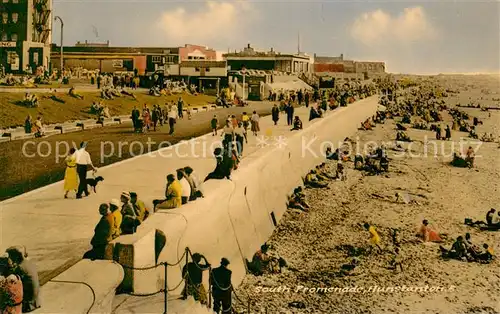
<point>224,165</point>
<point>297,124</point>
<point>140,209</point>
<point>197,184</point>
<point>173,195</point>
<point>103,234</point>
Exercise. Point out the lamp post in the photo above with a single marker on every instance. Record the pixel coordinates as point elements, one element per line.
<point>62,33</point>
<point>244,71</point>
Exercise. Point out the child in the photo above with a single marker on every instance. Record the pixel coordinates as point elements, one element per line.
<point>214,124</point>
<point>189,111</point>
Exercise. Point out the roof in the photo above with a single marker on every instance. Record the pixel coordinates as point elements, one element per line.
<point>137,50</point>
<point>203,63</point>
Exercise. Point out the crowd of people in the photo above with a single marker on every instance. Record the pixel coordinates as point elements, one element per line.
<point>149,119</point>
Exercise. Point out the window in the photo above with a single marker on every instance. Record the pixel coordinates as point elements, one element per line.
<point>5,17</point>
<point>35,57</point>
<point>156,59</point>
<point>4,36</point>
<point>207,69</point>
<point>13,37</point>
<point>15,17</point>
<point>197,69</point>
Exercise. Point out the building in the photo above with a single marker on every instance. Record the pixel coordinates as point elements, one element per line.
<point>249,58</point>
<point>25,35</point>
<point>211,75</point>
<point>87,44</point>
<point>146,60</point>
<point>371,69</point>
<point>196,52</point>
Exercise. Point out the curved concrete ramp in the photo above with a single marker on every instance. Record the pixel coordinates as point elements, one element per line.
<point>87,287</point>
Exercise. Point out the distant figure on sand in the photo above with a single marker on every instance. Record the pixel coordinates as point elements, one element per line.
<point>374,237</point>
<point>427,234</point>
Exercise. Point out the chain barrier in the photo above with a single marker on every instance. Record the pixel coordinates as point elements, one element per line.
<point>213,281</point>
<point>186,277</point>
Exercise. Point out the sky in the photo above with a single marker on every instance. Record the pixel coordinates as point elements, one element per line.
<point>427,37</point>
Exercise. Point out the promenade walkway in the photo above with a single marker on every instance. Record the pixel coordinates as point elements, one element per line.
<point>57,231</point>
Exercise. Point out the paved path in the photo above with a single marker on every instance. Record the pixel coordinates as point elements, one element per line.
<point>57,231</point>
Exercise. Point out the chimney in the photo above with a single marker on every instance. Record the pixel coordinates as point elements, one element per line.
<point>342,57</point>
<point>272,50</point>
<point>248,46</point>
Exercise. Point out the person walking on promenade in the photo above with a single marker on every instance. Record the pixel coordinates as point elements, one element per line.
<point>70,175</point>
<point>214,123</point>
<point>172,118</point>
<point>221,287</point>
<point>275,112</point>
<point>83,160</point>
<point>289,113</point>
<point>180,104</point>
<point>255,123</point>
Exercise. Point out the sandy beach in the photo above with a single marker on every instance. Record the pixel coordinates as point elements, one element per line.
<point>314,243</point>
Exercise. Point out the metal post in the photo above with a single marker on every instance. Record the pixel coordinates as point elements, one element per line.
<point>243,97</point>
<point>62,54</point>
<point>210,288</point>
<point>165,286</point>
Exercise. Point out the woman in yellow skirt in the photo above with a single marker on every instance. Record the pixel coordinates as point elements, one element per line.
<point>70,176</point>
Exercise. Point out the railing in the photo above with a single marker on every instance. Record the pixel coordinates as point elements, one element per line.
<point>185,256</point>
<point>165,290</point>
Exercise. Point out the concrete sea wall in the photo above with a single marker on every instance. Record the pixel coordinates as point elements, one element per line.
<point>236,216</point>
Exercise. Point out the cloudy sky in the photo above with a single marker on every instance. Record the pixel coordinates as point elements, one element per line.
<point>433,36</point>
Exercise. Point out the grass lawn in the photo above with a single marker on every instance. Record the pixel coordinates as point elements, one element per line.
<point>12,113</point>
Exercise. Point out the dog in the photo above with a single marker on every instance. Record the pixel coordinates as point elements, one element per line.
<point>93,182</point>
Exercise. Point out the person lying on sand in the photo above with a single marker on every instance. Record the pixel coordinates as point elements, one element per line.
<point>427,234</point>
<point>490,221</point>
<point>348,269</point>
